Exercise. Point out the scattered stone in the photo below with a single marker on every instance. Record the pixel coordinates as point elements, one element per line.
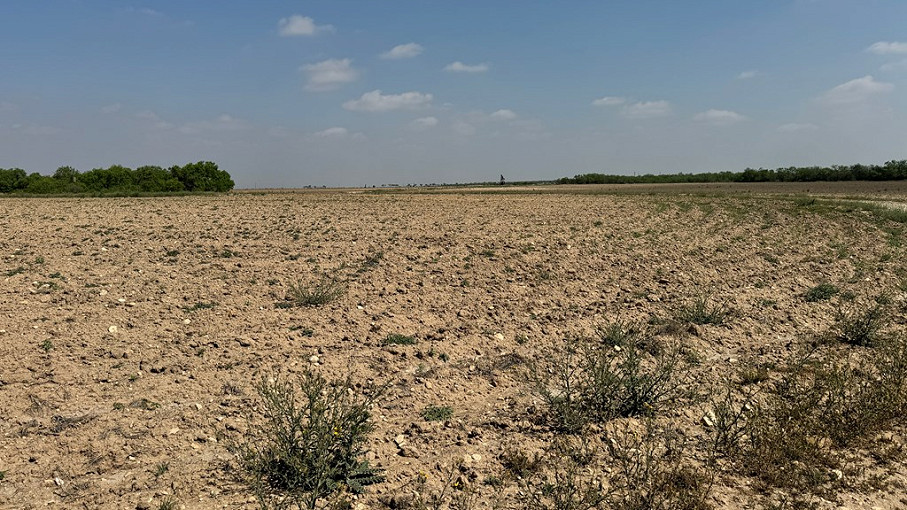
<point>314,359</point>
<point>173,431</point>
<point>400,440</point>
<point>709,419</point>
<point>499,337</point>
<point>112,329</point>
<point>187,321</point>
<point>103,292</point>
<point>59,482</point>
<point>837,474</point>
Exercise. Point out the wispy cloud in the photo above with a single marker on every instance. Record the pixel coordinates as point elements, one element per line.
<point>463,128</point>
<point>746,75</point>
<point>334,132</point>
<point>297,25</point>
<point>460,67</point>
<point>423,123</point>
<point>377,102</point>
<point>503,114</point>
<point>111,108</point>
<point>719,117</point>
<point>647,109</point>
<point>794,127</point>
<point>154,119</point>
<point>856,91</point>
<point>330,74</point>
<point>401,51</point>
<point>222,123</point>
<point>609,101</point>
<point>888,48</point>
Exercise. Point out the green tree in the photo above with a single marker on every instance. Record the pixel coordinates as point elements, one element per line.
<point>13,179</point>
<point>156,180</point>
<point>203,176</point>
<point>40,184</point>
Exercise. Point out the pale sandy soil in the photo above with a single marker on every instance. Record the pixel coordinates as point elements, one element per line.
<point>107,371</point>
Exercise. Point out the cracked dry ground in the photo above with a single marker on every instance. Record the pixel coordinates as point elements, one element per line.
<point>133,330</point>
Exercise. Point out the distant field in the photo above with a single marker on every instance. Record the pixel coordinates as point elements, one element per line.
<point>133,333</point>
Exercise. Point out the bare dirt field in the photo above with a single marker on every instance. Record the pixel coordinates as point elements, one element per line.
<point>134,332</point>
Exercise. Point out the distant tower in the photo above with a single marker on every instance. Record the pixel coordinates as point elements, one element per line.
<point>502,180</point>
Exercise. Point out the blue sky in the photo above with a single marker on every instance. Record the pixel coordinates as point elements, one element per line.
<point>342,92</point>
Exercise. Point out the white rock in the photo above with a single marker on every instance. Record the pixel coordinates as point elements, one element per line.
<point>314,358</point>
<point>112,329</point>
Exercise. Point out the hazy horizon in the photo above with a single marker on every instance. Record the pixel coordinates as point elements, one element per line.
<point>353,93</point>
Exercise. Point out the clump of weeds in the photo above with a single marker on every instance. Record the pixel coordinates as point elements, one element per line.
<point>309,447</point>
<point>320,292</point>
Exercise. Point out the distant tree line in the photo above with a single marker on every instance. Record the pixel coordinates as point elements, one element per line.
<point>890,171</point>
<point>193,177</point>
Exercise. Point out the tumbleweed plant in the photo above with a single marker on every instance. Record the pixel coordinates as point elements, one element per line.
<point>309,446</point>
<point>321,292</point>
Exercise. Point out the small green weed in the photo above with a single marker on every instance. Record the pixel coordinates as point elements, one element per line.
<point>201,305</point>
<point>321,292</point>
<point>161,468</point>
<point>47,345</point>
<point>14,272</point>
<point>144,404</point>
<point>701,311</point>
<point>860,327</point>
<point>437,413</point>
<point>398,339</point>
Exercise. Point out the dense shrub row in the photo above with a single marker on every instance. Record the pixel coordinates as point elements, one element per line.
<point>890,171</point>
<point>193,177</point>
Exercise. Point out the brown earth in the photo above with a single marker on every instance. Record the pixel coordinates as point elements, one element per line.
<point>133,330</point>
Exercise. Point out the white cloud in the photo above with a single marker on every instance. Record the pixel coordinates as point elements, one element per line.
<point>375,101</point>
<point>330,74</point>
<point>154,119</point>
<point>464,128</point>
<point>460,67</point>
<point>794,127</point>
<point>424,123</point>
<point>400,51</point>
<point>856,91</point>
<point>503,114</point>
<point>719,117</point>
<point>220,124</point>
<point>888,48</point>
<point>111,108</point>
<point>746,75</point>
<point>334,132</point>
<point>646,110</point>
<point>609,101</point>
<point>297,25</point>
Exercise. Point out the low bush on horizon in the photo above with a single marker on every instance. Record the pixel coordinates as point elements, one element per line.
<point>203,176</point>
